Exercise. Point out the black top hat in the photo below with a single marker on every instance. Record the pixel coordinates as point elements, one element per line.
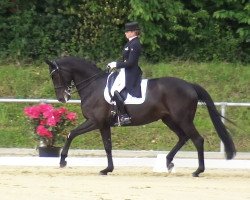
<point>132,26</point>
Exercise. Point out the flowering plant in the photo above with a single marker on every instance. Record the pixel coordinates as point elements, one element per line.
<point>49,122</point>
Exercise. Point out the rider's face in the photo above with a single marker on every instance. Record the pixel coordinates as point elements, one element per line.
<point>130,34</point>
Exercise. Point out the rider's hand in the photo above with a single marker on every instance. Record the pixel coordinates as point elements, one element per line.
<point>112,65</point>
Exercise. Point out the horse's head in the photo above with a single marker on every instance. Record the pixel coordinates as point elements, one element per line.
<point>62,81</point>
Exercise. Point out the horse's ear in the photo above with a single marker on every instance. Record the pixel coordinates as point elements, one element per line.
<point>49,62</point>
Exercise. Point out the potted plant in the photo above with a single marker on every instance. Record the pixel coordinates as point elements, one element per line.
<point>50,126</point>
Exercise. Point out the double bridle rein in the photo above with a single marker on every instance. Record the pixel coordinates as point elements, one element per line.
<point>72,85</point>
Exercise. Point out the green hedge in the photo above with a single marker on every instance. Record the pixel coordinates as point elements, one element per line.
<point>193,29</point>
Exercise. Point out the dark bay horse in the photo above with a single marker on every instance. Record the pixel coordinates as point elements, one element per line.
<point>172,100</point>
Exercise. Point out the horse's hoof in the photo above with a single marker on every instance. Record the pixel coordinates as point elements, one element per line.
<point>106,171</point>
<point>63,164</point>
<point>195,174</point>
<point>103,173</point>
<point>170,167</point>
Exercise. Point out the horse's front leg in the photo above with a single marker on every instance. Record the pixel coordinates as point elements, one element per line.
<point>83,128</point>
<point>106,138</point>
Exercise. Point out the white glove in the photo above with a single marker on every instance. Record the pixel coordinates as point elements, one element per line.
<point>112,65</point>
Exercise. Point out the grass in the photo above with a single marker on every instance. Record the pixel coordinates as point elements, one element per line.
<point>224,81</point>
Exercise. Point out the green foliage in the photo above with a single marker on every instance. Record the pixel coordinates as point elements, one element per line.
<point>190,29</point>
<point>99,28</point>
<point>239,14</point>
<point>159,20</point>
<point>53,28</point>
<point>237,17</point>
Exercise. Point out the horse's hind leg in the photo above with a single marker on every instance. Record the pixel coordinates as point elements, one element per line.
<point>182,140</point>
<point>198,142</point>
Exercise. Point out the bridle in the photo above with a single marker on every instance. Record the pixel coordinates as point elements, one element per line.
<point>72,85</point>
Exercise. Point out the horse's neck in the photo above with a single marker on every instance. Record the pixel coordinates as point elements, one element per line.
<point>83,73</point>
<point>93,83</point>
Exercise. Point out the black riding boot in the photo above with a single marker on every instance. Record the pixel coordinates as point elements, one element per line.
<point>123,117</point>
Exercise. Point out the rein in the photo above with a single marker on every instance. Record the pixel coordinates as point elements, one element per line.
<point>86,80</point>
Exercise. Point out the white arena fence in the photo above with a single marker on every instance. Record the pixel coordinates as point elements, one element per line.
<point>223,106</point>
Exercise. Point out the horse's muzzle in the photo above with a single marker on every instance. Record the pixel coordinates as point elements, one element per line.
<point>64,98</point>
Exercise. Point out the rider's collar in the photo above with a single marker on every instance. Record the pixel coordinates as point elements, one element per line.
<point>132,38</point>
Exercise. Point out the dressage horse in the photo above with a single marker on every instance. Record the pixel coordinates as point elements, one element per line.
<point>172,100</point>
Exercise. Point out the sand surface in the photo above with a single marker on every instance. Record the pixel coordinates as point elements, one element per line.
<point>125,183</point>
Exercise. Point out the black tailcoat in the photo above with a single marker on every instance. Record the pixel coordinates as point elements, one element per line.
<point>131,53</point>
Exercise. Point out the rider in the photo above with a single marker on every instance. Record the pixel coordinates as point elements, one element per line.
<point>131,54</point>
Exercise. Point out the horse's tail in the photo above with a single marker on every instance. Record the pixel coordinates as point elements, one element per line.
<point>216,119</point>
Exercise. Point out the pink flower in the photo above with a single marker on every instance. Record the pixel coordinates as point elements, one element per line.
<point>47,113</point>
<point>62,110</point>
<point>42,131</point>
<point>32,112</point>
<point>51,121</point>
<point>57,115</point>
<point>45,107</point>
<point>71,116</point>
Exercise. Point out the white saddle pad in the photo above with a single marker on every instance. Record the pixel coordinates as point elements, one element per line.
<point>130,99</point>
